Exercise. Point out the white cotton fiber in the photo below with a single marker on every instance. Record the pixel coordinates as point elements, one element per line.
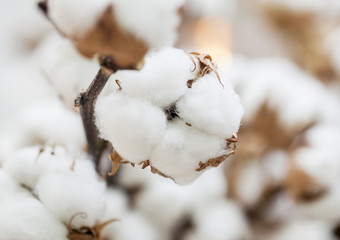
<point>24,217</point>
<point>29,164</point>
<point>182,149</point>
<point>50,122</point>
<point>162,80</point>
<point>153,21</point>
<point>68,193</point>
<point>75,17</point>
<point>116,205</point>
<point>154,114</point>
<point>219,220</point>
<point>320,159</point>
<point>67,72</point>
<point>251,184</point>
<point>211,107</point>
<point>132,226</point>
<point>133,126</point>
<point>164,203</point>
<point>298,98</point>
<point>24,167</point>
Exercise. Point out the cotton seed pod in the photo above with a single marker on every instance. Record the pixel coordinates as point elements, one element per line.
<point>123,29</point>
<point>178,115</point>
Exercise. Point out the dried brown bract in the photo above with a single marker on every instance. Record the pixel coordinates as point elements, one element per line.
<point>85,232</point>
<point>116,160</point>
<point>231,146</point>
<point>206,65</point>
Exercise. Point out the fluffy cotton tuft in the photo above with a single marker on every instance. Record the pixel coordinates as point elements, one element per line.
<point>171,114</point>
<point>23,216</point>
<point>70,193</point>
<point>182,149</point>
<point>76,16</point>
<point>65,184</point>
<point>210,107</point>
<point>133,126</point>
<point>162,80</point>
<point>219,220</point>
<point>50,122</point>
<point>298,98</point>
<point>27,165</point>
<point>153,21</point>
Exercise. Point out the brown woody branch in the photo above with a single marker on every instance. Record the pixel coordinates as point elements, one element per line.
<point>86,102</point>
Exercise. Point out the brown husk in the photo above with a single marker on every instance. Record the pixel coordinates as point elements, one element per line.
<point>108,38</point>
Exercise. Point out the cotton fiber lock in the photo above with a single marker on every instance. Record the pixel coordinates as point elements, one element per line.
<point>178,114</point>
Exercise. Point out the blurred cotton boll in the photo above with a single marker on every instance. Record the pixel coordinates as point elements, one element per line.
<point>35,221</point>
<point>219,219</point>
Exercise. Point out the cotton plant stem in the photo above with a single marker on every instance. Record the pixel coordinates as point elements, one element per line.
<point>86,102</point>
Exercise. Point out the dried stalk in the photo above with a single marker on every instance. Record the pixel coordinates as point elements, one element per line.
<point>86,102</point>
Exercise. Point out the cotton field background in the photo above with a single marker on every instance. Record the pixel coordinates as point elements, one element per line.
<point>205,120</point>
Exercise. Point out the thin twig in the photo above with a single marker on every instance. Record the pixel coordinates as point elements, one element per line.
<point>86,101</point>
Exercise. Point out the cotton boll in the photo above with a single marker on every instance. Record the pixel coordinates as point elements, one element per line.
<point>305,229</point>
<point>164,203</point>
<point>182,149</point>
<point>153,21</point>
<point>8,186</point>
<point>28,27</point>
<point>133,126</point>
<point>116,204</point>
<point>24,217</point>
<point>76,16</point>
<point>251,184</point>
<point>22,166</point>
<point>212,184</point>
<point>320,158</point>
<point>27,165</point>
<point>67,71</point>
<point>162,80</point>
<point>219,220</point>
<point>298,98</point>
<point>50,122</point>
<point>23,87</point>
<point>211,107</point>
<point>131,227</point>
<point>67,193</point>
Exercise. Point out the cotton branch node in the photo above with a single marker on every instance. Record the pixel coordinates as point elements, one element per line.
<point>153,118</point>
